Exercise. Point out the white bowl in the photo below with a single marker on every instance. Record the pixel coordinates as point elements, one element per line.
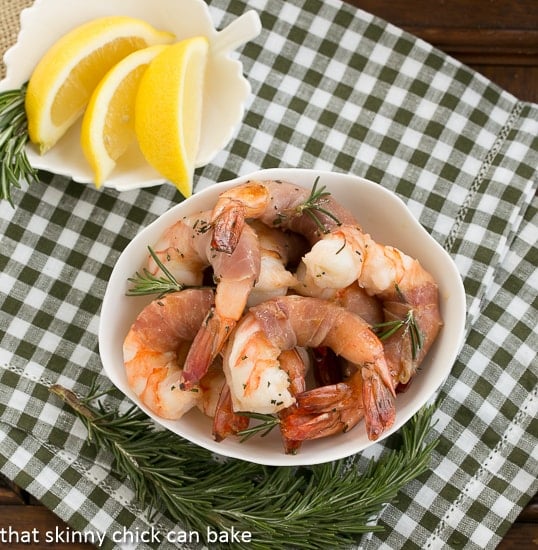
<point>225,93</point>
<point>389,221</point>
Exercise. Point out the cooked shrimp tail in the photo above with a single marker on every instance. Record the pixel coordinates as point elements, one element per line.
<point>232,209</point>
<point>305,426</point>
<point>377,401</point>
<point>294,365</point>
<point>323,398</point>
<point>324,411</point>
<point>210,387</point>
<point>226,421</point>
<point>207,344</point>
<point>227,229</point>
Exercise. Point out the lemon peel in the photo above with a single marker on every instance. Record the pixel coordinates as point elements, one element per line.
<point>108,123</point>
<point>65,77</point>
<point>168,111</point>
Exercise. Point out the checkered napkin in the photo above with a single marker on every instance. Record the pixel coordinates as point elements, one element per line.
<point>332,88</point>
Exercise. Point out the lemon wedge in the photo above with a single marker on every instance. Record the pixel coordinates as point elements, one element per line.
<point>65,77</point>
<point>168,111</point>
<point>108,123</point>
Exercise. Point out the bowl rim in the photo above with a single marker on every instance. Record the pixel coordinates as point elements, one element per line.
<point>446,353</point>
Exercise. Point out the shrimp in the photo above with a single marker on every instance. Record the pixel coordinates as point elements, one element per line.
<point>327,367</point>
<point>276,204</point>
<point>155,348</point>
<point>414,304</point>
<point>259,384</point>
<point>294,363</point>
<point>252,370</point>
<point>339,406</point>
<point>210,388</point>
<point>326,410</point>
<point>341,254</point>
<point>277,249</point>
<point>215,403</point>
<point>226,421</point>
<point>185,251</point>
<point>386,287</point>
<point>408,293</point>
<point>352,297</point>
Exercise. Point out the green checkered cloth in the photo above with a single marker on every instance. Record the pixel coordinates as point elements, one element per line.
<point>332,88</point>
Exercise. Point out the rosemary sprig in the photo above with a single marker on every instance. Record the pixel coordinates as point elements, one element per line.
<point>264,427</point>
<point>314,205</point>
<point>146,283</point>
<point>323,506</point>
<point>409,324</point>
<point>14,165</point>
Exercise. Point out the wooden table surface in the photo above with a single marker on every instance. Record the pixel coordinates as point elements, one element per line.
<point>498,38</point>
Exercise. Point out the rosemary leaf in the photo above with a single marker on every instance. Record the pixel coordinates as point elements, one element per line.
<point>409,324</point>
<point>313,206</point>
<point>264,427</point>
<point>387,329</point>
<point>322,506</point>
<point>146,283</point>
<point>15,167</point>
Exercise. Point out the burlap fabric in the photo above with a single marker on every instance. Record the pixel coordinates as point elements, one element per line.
<point>10,25</point>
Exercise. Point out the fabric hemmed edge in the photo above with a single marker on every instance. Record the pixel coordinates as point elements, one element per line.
<point>485,471</point>
<point>488,161</point>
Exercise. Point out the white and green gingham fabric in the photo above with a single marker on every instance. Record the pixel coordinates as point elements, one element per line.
<point>332,88</point>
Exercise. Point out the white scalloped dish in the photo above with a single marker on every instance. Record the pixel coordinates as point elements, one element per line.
<point>225,93</point>
<point>389,221</point>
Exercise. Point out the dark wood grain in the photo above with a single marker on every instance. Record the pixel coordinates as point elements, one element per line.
<point>25,523</point>
<point>497,38</point>
<point>523,534</point>
<point>36,527</point>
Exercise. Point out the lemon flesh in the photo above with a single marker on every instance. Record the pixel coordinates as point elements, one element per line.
<point>168,111</point>
<point>65,77</point>
<point>108,123</point>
